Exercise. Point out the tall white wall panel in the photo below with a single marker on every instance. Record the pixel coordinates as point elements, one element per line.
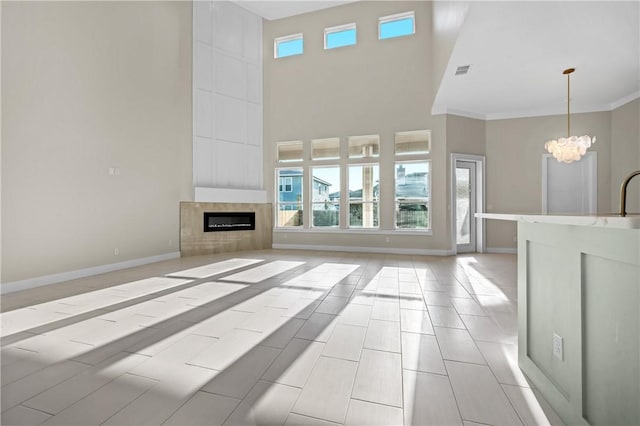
<point>203,66</point>
<point>227,97</point>
<point>229,27</point>
<point>254,84</point>
<point>231,119</point>
<point>202,15</point>
<point>253,155</point>
<point>203,113</point>
<point>231,173</point>
<point>203,157</point>
<point>231,76</point>
<point>254,125</point>
<point>253,39</point>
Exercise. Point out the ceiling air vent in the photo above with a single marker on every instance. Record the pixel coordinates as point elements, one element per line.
<point>462,70</point>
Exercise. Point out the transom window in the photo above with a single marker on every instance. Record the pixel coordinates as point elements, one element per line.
<point>325,149</point>
<point>289,151</point>
<point>288,46</point>
<point>340,36</point>
<point>364,146</point>
<point>398,25</point>
<point>413,142</point>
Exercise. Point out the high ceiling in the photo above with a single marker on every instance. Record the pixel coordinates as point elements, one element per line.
<point>282,9</point>
<point>517,51</point>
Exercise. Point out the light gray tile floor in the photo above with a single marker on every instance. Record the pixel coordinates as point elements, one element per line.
<point>272,337</point>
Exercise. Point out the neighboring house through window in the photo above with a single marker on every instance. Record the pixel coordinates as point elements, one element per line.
<point>290,203</point>
<point>361,169</point>
<point>413,183</point>
<point>325,206</point>
<point>286,184</point>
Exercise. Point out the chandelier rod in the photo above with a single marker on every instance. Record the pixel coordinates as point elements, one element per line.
<point>568,72</point>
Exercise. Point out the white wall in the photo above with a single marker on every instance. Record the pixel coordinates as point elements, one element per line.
<point>625,154</point>
<point>375,87</point>
<point>88,87</point>
<point>227,101</point>
<point>514,150</point>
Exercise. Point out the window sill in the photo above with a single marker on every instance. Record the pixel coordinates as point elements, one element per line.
<point>411,232</point>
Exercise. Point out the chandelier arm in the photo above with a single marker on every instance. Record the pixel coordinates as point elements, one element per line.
<point>569,105</point>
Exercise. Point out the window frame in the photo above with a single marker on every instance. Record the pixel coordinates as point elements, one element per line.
<point>293,142</point>
<point>414,153</point>
<point>413,200</point>
<point>369,158</point>
<point>323,159</point>
<point>338,29</point>
<point>397,17</point>
<point>361,201</point>
<point>279,203</point>
<point>285,39</point>
<point>386,224</point>
<point>313,203</point>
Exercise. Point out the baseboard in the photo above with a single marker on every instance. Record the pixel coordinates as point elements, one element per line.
<point>501,250</point>
<point>356,249</point>
<point>12,286</point>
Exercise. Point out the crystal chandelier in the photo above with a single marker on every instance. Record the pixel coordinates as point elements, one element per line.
<point>571,148</point>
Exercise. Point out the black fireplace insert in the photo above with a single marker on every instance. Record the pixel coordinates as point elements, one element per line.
<point>229,221</point>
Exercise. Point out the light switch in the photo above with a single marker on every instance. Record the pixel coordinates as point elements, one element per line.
<point>558,350</point>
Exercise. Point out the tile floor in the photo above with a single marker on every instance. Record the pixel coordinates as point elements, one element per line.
<point>272,337</point>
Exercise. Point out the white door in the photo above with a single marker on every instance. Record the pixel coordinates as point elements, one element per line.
<point>569,188</point>
<point>465,199</point>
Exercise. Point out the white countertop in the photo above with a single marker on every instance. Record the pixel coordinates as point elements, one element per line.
<point>608,221</point>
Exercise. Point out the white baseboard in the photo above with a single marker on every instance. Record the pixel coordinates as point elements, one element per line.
<point>501,250</point>
<point>12,286</point>
<point>356,249</point>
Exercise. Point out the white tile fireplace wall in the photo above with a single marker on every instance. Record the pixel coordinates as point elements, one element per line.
<point>227,99</point>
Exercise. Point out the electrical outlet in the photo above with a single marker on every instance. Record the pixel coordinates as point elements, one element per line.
<point>116,252</point>
<point>388,239</point>
<point>558,351</point>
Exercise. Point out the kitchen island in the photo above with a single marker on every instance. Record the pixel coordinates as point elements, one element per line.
<point>579,313</point>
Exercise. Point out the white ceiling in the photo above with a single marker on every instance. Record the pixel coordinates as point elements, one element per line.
<point>281,9</point>
<point>517,51</point>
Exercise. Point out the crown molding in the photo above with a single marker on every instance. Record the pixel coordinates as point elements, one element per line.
<point>440,110</point>
<point>624,100</point>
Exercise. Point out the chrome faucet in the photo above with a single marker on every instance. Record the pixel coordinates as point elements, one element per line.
<point>623,193</point>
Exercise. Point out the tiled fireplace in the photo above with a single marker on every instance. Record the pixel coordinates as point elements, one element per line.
<point>229,221</point>
<point>207,228</point>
